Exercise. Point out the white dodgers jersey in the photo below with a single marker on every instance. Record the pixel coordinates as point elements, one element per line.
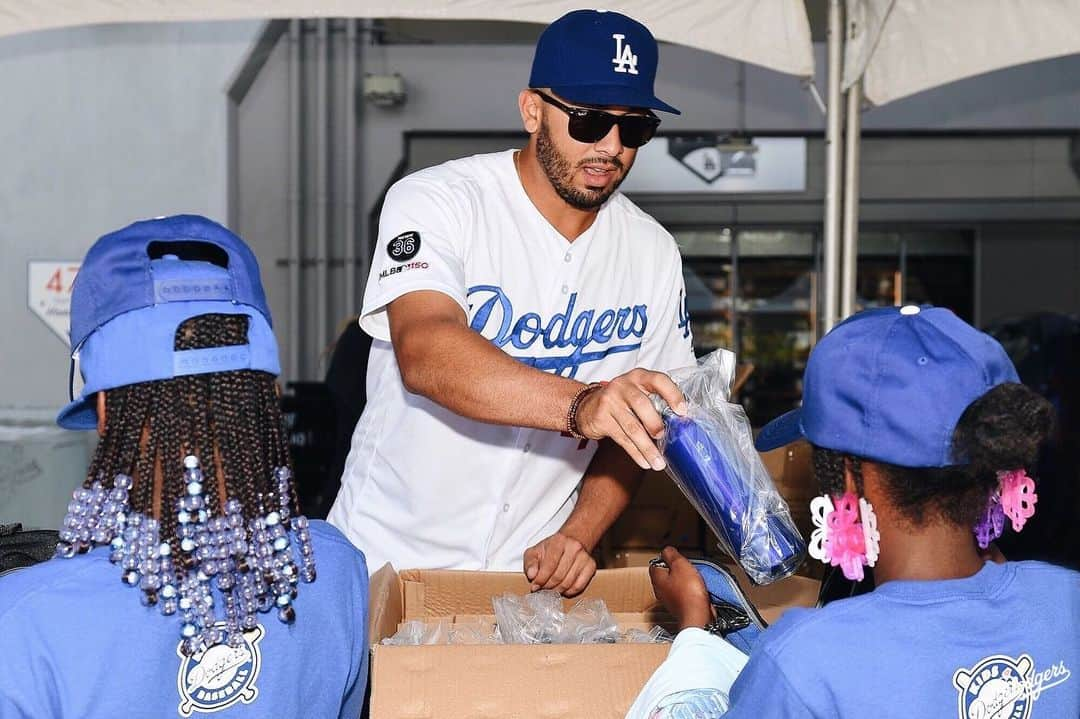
<point>425,488</point>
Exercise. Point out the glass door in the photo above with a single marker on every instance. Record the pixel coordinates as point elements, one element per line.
<point>756,291</point>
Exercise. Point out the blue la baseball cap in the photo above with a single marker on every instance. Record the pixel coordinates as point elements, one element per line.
<point>596,57</point>
<point>890,385</point>
<point>134,289</point>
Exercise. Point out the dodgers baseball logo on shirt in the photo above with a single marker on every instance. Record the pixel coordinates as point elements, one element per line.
<point>220,676</point>
<point>581,330</point>
<point>1000,687</point>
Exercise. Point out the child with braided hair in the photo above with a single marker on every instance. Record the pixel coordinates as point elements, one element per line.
<point>922,440</point>
<point>185,578</point>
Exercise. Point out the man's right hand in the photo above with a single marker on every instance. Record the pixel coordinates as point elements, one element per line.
<point>623,411</point>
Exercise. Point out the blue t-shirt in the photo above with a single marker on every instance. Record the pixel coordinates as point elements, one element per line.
<point>1002,644</point>
<point>76,642</point>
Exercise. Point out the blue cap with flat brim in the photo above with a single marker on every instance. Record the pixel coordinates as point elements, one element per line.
<point>133,292</point>
<point>891,384</point>
<point>595,57</point>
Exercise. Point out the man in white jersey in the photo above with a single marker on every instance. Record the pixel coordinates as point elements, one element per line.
<point>505,289</point>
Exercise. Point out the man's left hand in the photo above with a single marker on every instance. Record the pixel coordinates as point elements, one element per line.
<point>561,563</point>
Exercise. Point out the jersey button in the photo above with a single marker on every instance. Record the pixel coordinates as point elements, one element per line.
<point>567,257</point>
<point>526,448</point>
<point>565,289</point>
<point>506,508</point>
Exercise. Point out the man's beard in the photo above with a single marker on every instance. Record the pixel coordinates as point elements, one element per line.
<point>561,175</point>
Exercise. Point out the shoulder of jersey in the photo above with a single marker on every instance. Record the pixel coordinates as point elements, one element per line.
<point>328,538</point>
<point>466,175</point>
<point>642,222</point>
<point>1049,572</point>
<point>82,573</point>
<point>802,627</point>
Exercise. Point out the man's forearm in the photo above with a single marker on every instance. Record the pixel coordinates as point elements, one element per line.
<point>606,490</point>
<point>459,369</point>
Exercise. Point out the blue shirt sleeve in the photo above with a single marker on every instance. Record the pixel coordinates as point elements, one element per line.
<point>763,689</point>
<point>353,700</point>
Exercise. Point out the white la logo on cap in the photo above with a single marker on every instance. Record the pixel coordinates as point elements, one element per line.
<point>625,60</point>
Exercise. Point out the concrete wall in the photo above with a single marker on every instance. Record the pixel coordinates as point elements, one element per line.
<point>100,126</point>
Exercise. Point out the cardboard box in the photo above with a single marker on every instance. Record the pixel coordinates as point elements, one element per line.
<point>553,681</point>
<point>792,470</point>
<point>623,557</point>
<point>658,515</point>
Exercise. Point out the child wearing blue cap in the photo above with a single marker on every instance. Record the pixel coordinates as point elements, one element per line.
<point>922,441</point>
<point>185,580</point>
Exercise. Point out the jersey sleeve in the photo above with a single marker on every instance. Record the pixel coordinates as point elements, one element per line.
<point>669,344</point>
<point>763,689</point>
<point>420,246</point>
<point>693,681</point>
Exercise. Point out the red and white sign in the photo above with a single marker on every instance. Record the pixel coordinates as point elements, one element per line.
<point>48,293</point>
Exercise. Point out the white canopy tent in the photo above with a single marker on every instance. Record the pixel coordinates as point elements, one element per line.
<point>896,48</point>
<point>886,50</point>
<point>901,47</point>
<point>774,34</point>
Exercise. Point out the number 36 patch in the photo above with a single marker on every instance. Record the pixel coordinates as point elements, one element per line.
<point>404,247</point>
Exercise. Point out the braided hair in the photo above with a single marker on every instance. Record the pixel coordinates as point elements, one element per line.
<point>1002,430</point>
<point>188,535</point>
<point>233,416</point>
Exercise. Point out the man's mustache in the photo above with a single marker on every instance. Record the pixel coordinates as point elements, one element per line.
<point>610,162</point>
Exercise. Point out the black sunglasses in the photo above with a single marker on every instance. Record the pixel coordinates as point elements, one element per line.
<point>587,125</point>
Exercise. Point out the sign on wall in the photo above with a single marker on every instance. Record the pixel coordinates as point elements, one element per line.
<point>48,293</point>
<point>714,164</point>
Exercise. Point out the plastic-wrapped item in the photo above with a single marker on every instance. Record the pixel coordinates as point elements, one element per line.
<point>589,622</point>
<point>657,635</point>
<point>535,618</point>
<point>477,631</point>
<point>416,633</point>
<point>710,454</point>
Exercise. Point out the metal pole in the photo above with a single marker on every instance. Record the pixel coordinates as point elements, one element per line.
<point>350,166</point>
<point>851,200</point>
<point>295,205</point>
<point>322,207</point>
<point>833,156</point>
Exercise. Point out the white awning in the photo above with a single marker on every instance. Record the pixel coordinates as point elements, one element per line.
<point>905,46</point>
<point>771,33</point>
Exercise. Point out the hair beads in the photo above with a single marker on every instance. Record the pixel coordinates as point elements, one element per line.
<point>251,569</point>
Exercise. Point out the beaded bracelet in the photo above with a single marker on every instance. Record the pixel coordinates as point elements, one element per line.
<point>571,414</point>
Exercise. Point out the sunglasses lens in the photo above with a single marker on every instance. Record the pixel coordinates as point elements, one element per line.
<point>590,126</point>
<point>594,125</point>
<point>635,131</point>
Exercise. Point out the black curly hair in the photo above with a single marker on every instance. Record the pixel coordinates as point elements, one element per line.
<point>232,416</point>
<point>1002,430</point>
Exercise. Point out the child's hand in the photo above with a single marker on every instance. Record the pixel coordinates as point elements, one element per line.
<point>682,590</point>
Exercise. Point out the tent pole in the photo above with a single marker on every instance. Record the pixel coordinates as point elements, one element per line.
<point>350,167</point>
<point>322,207</point>
<point>848,278</point>
<point>833,157</point>
<point>295,204</point>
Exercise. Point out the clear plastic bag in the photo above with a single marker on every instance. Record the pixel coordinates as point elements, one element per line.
<point>535,618</point>
<point>710,454</point>
<point>589,622</point>
<point>657,635</point>
<point>416,633</point>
